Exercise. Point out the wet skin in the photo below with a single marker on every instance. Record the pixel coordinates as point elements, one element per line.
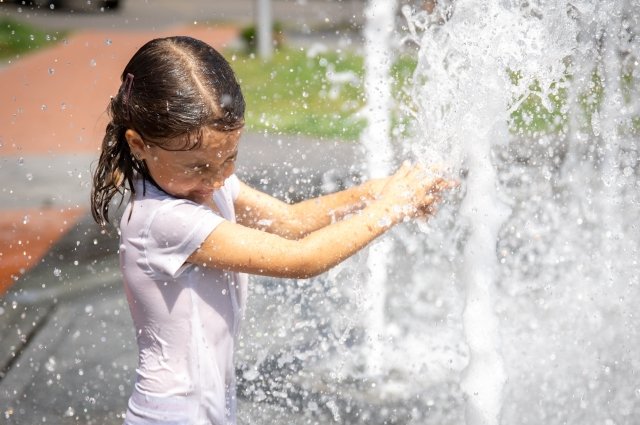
<point>190,174</point>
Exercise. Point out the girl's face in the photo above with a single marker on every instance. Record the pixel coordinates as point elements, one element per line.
<point>193,174</point>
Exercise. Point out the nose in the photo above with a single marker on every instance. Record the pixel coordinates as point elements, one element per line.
<point>214,182</point>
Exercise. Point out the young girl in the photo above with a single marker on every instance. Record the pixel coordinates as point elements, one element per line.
<point>192,229</point>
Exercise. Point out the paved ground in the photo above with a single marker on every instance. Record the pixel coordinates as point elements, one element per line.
<point>67,352</point>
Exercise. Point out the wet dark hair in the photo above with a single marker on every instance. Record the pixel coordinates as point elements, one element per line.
<point>171,89</point>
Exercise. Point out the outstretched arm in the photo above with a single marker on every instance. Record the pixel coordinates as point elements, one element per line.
<point>258,210</point>
<point>409,193</point>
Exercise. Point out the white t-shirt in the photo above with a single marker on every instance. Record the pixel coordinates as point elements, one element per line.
<point>186,317</point>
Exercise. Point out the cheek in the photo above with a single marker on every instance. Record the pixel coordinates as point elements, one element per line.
<point>180,182</point>
<point>220,175</point>
<point>228,170</point>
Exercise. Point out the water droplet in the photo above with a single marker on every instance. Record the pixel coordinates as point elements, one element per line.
<point>50,365</point>
<point>92,62</point>
<point>63,106</point>
<point>43,107</point>
<point>57,272</point>
<point>108,42</point>
<point>25,219</point>
<point>21,161</point>
<point>384,222</point>
<point>32,37</point>
<point>69,412</point>
<point>52,71</point>
<point>88,309</point>
<point>29,176</point>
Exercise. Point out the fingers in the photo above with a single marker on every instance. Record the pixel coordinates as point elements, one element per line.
<point>440,184</point>
<point>418,187</point>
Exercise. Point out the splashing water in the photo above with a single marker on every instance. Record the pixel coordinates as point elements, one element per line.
<point>465,98</point>
<point>479,61</point>
<point>517,302</point>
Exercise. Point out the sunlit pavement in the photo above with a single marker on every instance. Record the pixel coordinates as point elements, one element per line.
<point>67,352</point>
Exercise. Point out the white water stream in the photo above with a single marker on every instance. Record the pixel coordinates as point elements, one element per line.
<point>376,140</point>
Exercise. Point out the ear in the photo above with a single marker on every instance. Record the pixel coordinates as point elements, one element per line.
<point>136,144</point>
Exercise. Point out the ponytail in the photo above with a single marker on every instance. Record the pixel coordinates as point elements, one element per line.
<point>114,174</point>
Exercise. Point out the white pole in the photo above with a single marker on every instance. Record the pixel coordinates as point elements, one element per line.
<point>377,86</point>
<point>379,155</point>
<point>264,29</point>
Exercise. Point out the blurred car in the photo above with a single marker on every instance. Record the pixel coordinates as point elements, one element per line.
<point>81,4</point>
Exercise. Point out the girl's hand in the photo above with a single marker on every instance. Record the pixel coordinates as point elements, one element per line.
<point>413,192</point>
<point>374,187</point>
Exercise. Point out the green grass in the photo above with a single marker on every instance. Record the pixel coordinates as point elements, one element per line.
<point>17,38</point>
<point>296,94</point>
<point>535,117</point>
<point>293,93</point>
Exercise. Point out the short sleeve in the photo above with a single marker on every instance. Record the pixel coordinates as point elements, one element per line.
<point>233,186</point>
<point>175,232</point>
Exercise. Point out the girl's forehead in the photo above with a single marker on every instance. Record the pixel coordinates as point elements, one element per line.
<point>214,140</point>
<point>213,137</point>
<point>206,140</point>
<point>214,145</point>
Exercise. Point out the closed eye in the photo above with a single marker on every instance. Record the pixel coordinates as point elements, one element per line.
<point>197,168</point>
<point>232,158</point>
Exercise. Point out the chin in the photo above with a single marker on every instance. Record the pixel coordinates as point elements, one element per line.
<point>201,196</point>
